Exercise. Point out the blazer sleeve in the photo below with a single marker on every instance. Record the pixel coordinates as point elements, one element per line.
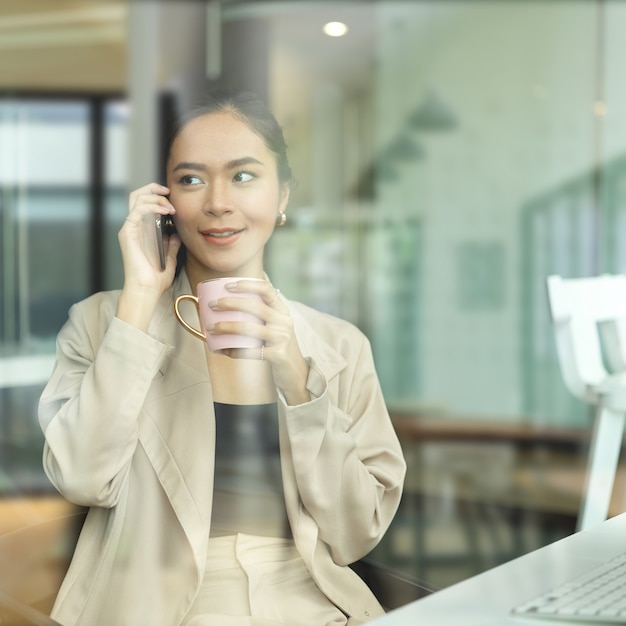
<point>348,461</point>
<point>89,409</point>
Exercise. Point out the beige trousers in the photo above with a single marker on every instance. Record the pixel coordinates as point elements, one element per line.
<point>259,581</point>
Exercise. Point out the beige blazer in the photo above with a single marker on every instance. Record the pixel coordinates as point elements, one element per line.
<point>129,431</point>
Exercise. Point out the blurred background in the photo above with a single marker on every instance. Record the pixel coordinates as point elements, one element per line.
<point>450,155</point>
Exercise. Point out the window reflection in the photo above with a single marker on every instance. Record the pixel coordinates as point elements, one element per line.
<point>46,240</point>
<point>45,215</point>
<point>446,166</point>
<point>477,176</point>
<point>116,114</point>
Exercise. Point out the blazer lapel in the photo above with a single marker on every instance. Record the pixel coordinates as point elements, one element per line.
<point>327,358</point>
<point>177,428</point>
<point>330,362</point>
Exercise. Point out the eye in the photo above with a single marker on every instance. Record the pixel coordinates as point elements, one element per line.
<point>243,177</point>
<point>190,179</point>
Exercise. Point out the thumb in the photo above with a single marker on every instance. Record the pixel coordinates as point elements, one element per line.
<point>174,245</point>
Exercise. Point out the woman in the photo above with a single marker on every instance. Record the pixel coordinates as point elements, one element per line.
<point>137,416</point>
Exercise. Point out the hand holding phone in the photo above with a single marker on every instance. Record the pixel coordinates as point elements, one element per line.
<point>148,246</point>
<point>147,238</point>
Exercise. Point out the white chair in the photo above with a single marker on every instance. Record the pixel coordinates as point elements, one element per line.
<point>589,314</point>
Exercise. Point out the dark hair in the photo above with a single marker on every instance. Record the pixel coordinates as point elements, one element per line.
<point>252,111</point>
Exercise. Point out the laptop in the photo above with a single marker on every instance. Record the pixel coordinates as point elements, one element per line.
<point>596,597</point>
<point>15,613</point>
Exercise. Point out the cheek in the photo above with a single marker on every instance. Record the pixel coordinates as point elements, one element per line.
<point>184,209</point>
<point>182,217</point>
<point>175,199</point>
<point>265,208</point>
<point>266,219</point>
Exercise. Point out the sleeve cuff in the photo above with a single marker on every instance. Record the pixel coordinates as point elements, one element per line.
<point>146,352</point>
<point>316,385</point>
<point>316,382</point>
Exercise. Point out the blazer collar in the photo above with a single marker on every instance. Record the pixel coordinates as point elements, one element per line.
<point>312,344</point>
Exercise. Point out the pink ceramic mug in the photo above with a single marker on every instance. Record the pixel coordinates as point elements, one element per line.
<point>208,291</point>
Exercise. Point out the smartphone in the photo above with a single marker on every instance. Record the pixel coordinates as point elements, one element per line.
<point>163,227</point>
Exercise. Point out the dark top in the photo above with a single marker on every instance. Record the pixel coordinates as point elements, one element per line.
<point>248,491</point>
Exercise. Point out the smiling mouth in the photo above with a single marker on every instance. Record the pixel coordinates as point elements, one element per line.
<point>227,233</point>
<point>221,234</point>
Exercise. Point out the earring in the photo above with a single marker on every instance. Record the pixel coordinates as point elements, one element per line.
<point>281,219</point>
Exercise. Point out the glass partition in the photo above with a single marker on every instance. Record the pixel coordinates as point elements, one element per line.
<point>474,157</point>
<point>47,150</point>
<point>44,248</point>
<point>449,156</point>
<point>116,115</point>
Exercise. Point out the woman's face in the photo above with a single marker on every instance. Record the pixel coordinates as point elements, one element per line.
<point>224,186</point>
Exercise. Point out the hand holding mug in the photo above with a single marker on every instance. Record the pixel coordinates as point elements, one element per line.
<point>209,292</point>
<point>256,326</point>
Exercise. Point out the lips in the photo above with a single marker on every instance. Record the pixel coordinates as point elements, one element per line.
<point>221,236</point>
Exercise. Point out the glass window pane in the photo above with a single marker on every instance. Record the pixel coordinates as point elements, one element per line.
<point>116,195</point>
<point>446,166</point>
<point>45,215</point>
<point>44,261</point>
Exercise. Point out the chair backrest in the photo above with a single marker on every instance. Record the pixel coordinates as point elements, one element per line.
<point>615,344</point>
<point>584,311</point>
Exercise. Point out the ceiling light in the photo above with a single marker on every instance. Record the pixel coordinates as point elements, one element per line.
<point>335,29</point>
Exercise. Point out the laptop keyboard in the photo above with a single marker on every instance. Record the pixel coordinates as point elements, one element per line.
<point>598,596</point>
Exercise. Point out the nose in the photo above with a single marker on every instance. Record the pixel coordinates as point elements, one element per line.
<point>217,200</point>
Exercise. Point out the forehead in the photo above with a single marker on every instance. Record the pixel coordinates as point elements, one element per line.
<point>218,134</point>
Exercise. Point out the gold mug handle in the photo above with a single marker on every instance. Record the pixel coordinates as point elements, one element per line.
<point>190,329</point>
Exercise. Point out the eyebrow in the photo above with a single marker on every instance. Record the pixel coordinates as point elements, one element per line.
<point>235,163</point>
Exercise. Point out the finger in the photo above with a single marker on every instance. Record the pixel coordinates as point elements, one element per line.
<point>137,220</point>
<point>256,286</point>
<point>273,296</point>
<point>267,291</point>
<point>153,202</point>
<point>251,306</point>
<point>173,246</point>
<point>154,193</point>
<point>257,330</point>
<point>142,211</point>
<point>255,354</point>
<point>150,188</point>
